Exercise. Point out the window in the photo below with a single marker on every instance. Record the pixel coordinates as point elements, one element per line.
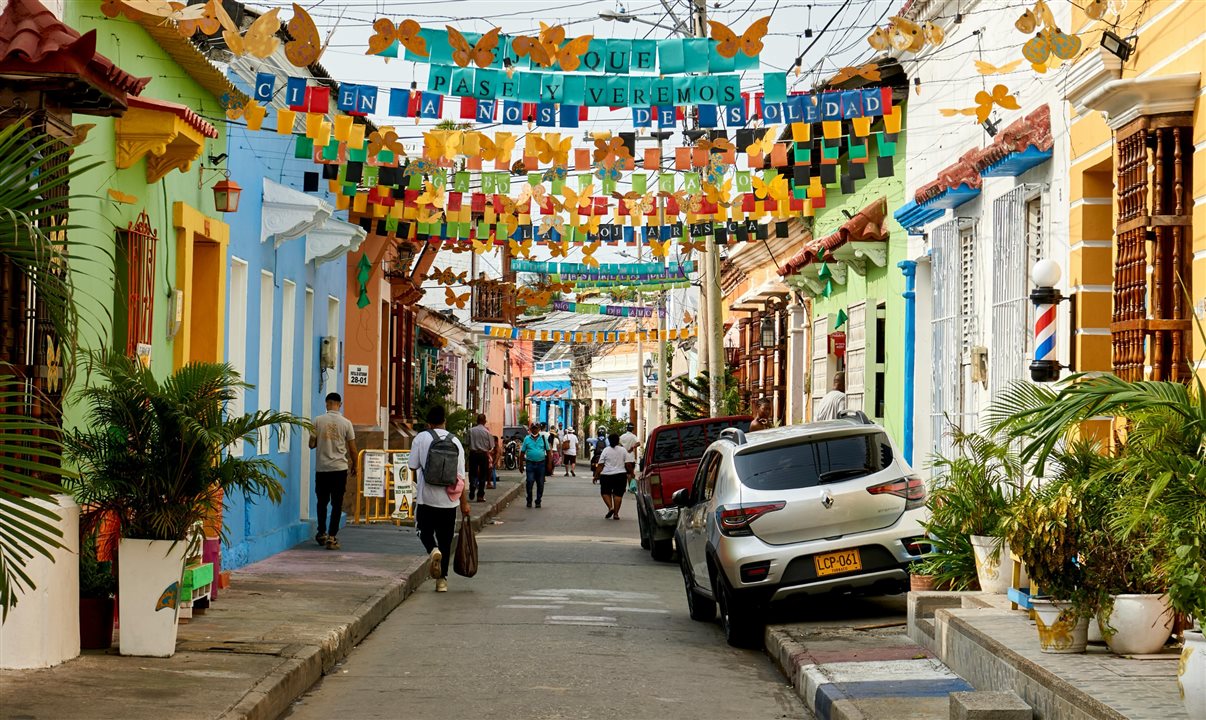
<point>814,462</point>
<point>856,356</point>
<point>264,374</point>
<point>705,478</point>
<point>288,336</point>
<point>820,359</point>
<point>967,288</point>
<point>1017,245</point>
<point>946,397</point>
<point>137,243</point>
<point>689,442</point>
<point>881,337</point>
<point>236,343</point>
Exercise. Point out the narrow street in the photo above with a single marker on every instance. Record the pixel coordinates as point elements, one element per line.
<point>567,618</point>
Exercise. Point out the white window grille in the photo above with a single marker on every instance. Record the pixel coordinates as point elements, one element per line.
<point>1017,245</point>
<point>856,356</point>
<point>946,397</point>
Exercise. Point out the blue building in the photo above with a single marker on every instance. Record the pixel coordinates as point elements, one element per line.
<point>552,393</point>
<point>287,285</point>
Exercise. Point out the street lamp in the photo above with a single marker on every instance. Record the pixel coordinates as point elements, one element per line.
<point>768,332</point>
<point>623,17</point>
<point>650,372</point>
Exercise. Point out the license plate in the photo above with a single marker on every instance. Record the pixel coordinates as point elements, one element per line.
<point>837,562</point>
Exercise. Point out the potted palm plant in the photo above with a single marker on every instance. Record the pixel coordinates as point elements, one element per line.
<point>152,464</point>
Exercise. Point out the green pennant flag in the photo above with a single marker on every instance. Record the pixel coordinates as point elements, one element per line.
<point>363,270</point>
<point>824,271</point>
<point>841,319</point>
<point>828,288</point>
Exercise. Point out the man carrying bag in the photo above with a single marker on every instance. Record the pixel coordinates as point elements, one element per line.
<point>439,461</point>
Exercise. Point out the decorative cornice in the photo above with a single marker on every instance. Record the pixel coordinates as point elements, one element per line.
<point>1090,73</point>
<point>165,139</point>
<point>1123,101</point>
<point>289,214</point>
<point>332,239</point>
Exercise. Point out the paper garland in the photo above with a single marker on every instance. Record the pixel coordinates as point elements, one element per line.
<point>618,271</point>
<point>580,336</point>
<point>609,310</point>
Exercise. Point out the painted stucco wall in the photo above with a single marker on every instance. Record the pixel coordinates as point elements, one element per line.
<point>879,285</point>
<point>257,530</point>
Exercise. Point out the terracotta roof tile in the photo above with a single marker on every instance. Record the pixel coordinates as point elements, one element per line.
<point>869,225</point>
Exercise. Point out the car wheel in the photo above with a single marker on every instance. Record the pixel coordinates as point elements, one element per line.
<point>701,608</point>
<point>663,550</point>
<point>643,528</point>
<point>740,622</point>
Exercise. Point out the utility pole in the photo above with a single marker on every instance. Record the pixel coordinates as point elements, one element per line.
<point>713,328</point>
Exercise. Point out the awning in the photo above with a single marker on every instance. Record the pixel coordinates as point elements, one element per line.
<point>36,48</point>
<point>547,395</point>
<point>332,239</point>
<point>169,135</point>
<point>1023,144</point>
<point>289,213</point>
<point>952,197</point>
<point>913,217</point>
<point>868,229</point>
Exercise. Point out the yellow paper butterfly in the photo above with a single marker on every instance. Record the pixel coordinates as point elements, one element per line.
<point>1000,97</point>
<point>480,53</point>
<point>688,246</point>
<point>776,189</point>
<point>749,43</point>
<point>431,217</point>
<point>659,248</point>
<point>520,248</point>
<point>432,196</point>
<point>552,222</point>
<point>987,68</point>
<point>763,145</point>
<point>719,195</point>
<point>406,33</point>
<point>442,144</point>
<point>385,138</point>
<point>951,112</point>
<point>305,47</point>
<point>905,35</point>
<point>552,148</point>
<point>260,39</point>
<point>499,148</point>
<point>878,39</point>
<point>870,71</point>
<point>481,245</point>
<point>559,249</point>
<point>588,252</point>
<point>531,193</point>
<point>203,19</point>
<point>451,298</point>
<point>590,225</point>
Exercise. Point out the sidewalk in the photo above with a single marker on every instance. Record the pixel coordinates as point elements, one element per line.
<point>283,623</point>
<point>862,674</point>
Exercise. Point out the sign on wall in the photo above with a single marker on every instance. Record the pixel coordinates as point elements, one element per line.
<point>404,486</point>
<point>358,374</point>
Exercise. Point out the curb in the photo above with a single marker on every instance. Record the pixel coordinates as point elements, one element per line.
<point>306,664</point>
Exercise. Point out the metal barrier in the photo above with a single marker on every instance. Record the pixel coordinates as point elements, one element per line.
<point>385,487</point>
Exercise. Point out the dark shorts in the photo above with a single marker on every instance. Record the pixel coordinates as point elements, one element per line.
<point>570,458</point>
<point>613,484</point>
<point>333,481</point>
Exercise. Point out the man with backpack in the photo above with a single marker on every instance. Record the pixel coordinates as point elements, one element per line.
<point>438,460</point>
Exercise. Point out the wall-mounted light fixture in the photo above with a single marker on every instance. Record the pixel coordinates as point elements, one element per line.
<point>1119,46</point>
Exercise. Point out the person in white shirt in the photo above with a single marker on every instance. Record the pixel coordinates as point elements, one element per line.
<point>612,474</point>
<point>569,448</point>
<point>835,401</point>
<point>435,506</point>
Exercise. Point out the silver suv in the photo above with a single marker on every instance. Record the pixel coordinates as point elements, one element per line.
<point>804,509</point>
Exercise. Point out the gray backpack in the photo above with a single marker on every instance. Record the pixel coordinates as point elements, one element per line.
<point>442,459</point>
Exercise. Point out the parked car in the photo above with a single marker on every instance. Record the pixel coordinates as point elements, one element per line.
<point>671,456</point>
<point>805,509</point>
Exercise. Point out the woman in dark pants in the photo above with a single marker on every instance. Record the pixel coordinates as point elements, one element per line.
<point>612,474</point>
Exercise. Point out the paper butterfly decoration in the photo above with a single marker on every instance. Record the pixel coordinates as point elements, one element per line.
<point>591,225</point>
<point>306,46</point>
<point>199,18</point>
<point>552,148</point>
<point>168,598</point>
<point>870,71</point>
<point>531,193</point>
<point>987,68</point>
<point>749,43</point>
<point>54,364</point>
<point>405,33</point>
<point>776,188</point>
<point>442,144</point>
<point>558,249</point>
<point>878,39</point>
<point>905,35</point>
<point>1000,97</point>
<point>719,194</point>
<point>687,318</point>
<point>518,248</point>
<point>432,196</point>
<point>385,138</point>
<point>690,246</point>
<point>451,298</point>
<point>1039,15</point>
<point>260,39</point>
<point>661,248</point>
<point>552,222</point>
<point>715,146</point>
<point>1095,9</point>
<point>499,148</point>
<point>121,197</point>
<point>763,145</point>
<point>481,53</point>
<point>609,150</point>
<point>550,47</point>
<point>1050,42</point>
<point>587,254</point>
<point>481,245</point>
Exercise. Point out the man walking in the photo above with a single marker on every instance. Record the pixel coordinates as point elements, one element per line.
<point>534,450</point>
<point>481,445</point>
<point>335,439</point>
<point>569,448</point>
<point>835,401</point>
<point>435,504</point>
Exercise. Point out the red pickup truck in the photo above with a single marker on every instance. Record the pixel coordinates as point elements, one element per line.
<point>668,464</point>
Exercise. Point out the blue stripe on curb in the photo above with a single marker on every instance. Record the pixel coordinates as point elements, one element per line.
<point>830,693</point>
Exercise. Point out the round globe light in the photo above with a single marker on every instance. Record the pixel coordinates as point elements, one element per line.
<point>1045,273</point>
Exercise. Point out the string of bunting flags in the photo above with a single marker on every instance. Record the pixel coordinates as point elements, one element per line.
<point>607,271</point>
<point>587,336</point>
<point>611,310</point>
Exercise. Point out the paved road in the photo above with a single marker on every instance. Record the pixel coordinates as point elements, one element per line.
<point>567,618</point>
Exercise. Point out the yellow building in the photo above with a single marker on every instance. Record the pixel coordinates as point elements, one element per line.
<point>1137,265</point>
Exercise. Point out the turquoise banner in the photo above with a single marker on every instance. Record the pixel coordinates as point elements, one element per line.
<point>588,90</point>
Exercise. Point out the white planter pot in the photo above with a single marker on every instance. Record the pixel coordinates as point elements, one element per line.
<point>43,629</point>
<point>148,593</point>
<point>1095,636</point>
<point>1191,674</point>
<point>994,567</point>
<point>1058,630</point>
<point>1137,624</point>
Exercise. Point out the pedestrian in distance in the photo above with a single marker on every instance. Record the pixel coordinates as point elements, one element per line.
<point>496,461</point>
<point>535,450</point>
<point>481,446</point>
<point>600,444</point>
<point>438,460</point>
<point>569,448</point>
<point>629,440</point>
<point>554,445</point>
<point>612,476</point>
<point>834,401</point>
<point>335,439</point>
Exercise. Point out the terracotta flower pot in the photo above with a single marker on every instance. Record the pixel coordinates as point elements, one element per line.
<point>921,583</point>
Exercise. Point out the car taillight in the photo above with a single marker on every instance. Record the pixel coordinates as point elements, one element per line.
<point>755,572</point>
<point>911,488</point>
<point>735,519</point>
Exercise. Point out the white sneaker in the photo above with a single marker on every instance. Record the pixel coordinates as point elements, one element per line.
<point>441,585</point>
<point>436,569</point>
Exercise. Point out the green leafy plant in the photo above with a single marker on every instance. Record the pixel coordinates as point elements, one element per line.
<point>1044,529</point>
<point>154,458</point>
<point>972,490</point>
<point>689,397</point>
<point>951,561</point>
<point>96,576</point>
<point>458,420</point>
<point>604,419</point>
<point>34,174</point>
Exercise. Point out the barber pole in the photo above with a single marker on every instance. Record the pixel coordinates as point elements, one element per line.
<point>1044,332</point>
<point>1046,298</point>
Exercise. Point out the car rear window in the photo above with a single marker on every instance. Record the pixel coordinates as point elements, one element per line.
<point>690,441</point>
<point>814,462</point>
